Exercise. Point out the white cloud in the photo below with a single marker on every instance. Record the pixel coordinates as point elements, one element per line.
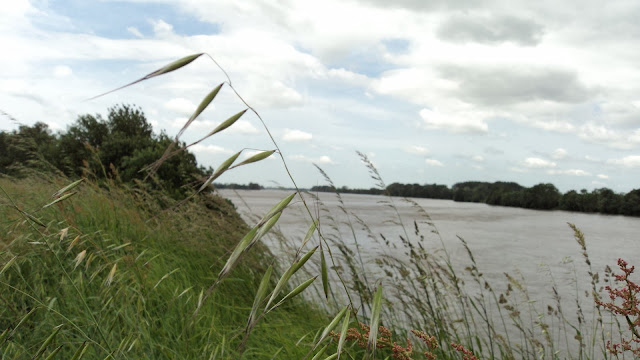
<point>604,135</point>
<point>572,172</point>
<point>477,158</point>
<point>61,71</point>
<point>181,105</point>
<point>416,150</point>
<point>559,154</point>
<point>557,126</point>
<point>349,77</point>
<point>319,160</point>
<point>455,123</point>
<point>433,162</point>
<point>603,176</point>
<point>243,127</point>
<point>209,149</point>
<point>631,161</point>
<point>161,28</point>
<point>296,135</point>
<point>274,94</point>
<point>537,163</point>
<point>134,31</point>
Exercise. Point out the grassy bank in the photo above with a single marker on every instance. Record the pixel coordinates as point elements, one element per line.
<point>109,269</point>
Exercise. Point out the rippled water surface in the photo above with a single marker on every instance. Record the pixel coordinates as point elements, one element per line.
<point>537,246</point>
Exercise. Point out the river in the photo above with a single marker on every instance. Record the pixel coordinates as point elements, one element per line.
<point>536,247</point>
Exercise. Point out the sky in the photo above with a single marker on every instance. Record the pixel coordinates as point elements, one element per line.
<point>432,91</point>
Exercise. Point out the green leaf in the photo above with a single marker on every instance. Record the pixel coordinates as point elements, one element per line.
<point>375,319</point>
<point>295,292</point>
<point>66,188</point>
<point>343,333</point>
<point>203,105</point>
<point>61,198</point>
<point>4,335</point>
<point>32,218</point>
<point>331,325</point>
<point>298,264</point>
<point>325,275</point>
<point>225,124</point>
<point>54,353</point>
<point>260,295</point>
<point>80,352</point>
<point>8,265</point>
<point>307,237</point>
<point>237,251</point>
<point>163,70</point>
<point>222,168</point>
<point>320,353</point>
<point>257,157</point>
<point>276,209</point>
<point>47,342</point>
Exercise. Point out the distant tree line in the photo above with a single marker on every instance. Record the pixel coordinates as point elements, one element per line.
<point>346,190</point>
<point>250,186</point>
<point>119,147</point>
<point>540,196</point>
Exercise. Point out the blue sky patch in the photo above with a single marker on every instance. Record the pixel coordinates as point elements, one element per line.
<point>111,19</point>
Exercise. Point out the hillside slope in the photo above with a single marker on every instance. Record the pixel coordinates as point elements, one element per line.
<point>112,270</point>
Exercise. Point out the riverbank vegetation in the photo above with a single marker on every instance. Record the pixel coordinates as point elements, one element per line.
<point>539,197</point>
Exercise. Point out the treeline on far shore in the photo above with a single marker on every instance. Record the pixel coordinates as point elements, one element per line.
<point>540,197</point>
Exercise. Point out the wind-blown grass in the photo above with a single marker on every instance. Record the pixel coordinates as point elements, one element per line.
<point>141,279</point>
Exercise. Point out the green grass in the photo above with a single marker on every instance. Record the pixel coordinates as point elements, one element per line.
<point>163,262</point>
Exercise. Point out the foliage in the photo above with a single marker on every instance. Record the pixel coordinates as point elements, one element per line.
<point>118,147</point>
<point>540,196</point>
<point>625,302</point>
<point>139,271</point>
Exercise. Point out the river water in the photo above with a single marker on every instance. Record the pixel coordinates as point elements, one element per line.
<point>537,247</point>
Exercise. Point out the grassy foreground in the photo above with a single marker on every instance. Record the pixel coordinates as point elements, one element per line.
<point>112,275</point>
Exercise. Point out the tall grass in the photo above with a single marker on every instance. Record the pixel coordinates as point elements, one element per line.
<point>141,279</point>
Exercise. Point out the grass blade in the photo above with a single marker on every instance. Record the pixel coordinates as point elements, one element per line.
<point>80,352</point>
<point>295,292</point>
<point>235,255</point>
<point>31,217</point>
<point>66,188</point>
<point>111,275</point>
<point>307,237</point>
<point>8,265</point>
<point>276,209</point>
<point>222,168</point>
<point>320,353</point>
<point>331,325</point>
<point>203,105</point>
<point>281,283</point>
<point>225,124</point>
<point>163,70</point>
<point>325,275</point>
<point>257,157</point>
<point>260,295</point>
<point>375,319</point>
<point>343,333</point>
<point>54,353</point>
<point>298,264</point>
<point>61,198</point>
<point>46,343</point>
